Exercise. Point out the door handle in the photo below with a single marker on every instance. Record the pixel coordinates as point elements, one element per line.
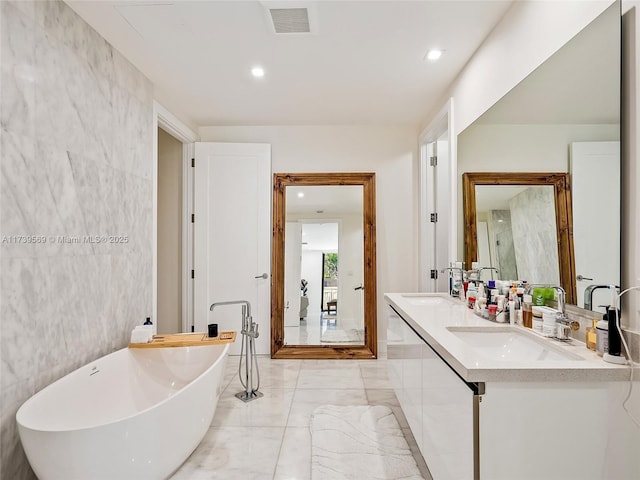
<point>264,276</point>
<point>582,277</point>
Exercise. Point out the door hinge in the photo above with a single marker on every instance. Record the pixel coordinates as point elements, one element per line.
<point>193,162</point>
<point>193,218</point>
<point>433,217</point>
<point>193,274</point>
<point>434,274</point>
<point>433,161</point>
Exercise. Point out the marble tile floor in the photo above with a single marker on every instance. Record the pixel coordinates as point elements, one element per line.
<point>269,438</point>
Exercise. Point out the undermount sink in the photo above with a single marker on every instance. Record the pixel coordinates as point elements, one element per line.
<point>416,299</point>
<point>511,344</point>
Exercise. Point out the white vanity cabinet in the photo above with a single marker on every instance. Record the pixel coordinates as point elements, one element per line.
<point>519,424</point>
<point>438,405</point>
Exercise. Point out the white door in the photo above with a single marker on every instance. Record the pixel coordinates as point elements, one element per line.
<point>292,275</point>
<point>232,236</point>
<point>595,181</point>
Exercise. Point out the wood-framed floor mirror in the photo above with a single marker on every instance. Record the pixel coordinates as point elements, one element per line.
<point>323,266</point>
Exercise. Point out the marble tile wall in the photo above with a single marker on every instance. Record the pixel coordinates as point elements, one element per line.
<point>533,218</point>
<point>76,161</point>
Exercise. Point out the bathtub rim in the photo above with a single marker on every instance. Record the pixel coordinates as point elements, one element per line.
<point>34,397</point>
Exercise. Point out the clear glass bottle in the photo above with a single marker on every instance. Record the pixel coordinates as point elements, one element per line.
<point>591,336</point>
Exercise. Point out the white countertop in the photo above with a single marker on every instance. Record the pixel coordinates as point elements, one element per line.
<point>431,317</point>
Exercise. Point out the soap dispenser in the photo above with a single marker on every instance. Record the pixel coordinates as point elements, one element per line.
<point>602,335</point>
<point>591,335</point>
<point>612,354</point>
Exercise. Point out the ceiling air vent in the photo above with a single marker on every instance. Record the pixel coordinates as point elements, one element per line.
<point>290,20</point>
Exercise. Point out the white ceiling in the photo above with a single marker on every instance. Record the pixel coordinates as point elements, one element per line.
<point>364,65</point>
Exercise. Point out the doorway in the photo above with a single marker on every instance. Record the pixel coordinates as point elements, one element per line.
<point>169,130</point>
<point>169,232</point>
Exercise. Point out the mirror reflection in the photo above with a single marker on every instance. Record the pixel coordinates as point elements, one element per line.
<point>573,127</point>
<point>525,216</point>
<point>324,265</point>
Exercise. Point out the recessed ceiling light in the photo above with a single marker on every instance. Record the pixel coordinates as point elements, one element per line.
<point>433,54</point>
<point>257,72</point>
<point>300,194</point>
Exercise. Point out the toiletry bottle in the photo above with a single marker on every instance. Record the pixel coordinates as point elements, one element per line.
<point>527,313</point>
<point>148,321</point>
<point>602,335</point>
<point>471,295</point>
<point>591,336</point>
<point>512,311</point>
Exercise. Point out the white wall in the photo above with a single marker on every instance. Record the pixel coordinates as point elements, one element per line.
<point>312,273</point>
<point>390,152</point>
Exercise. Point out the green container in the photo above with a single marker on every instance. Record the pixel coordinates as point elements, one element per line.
<point>541,295</point>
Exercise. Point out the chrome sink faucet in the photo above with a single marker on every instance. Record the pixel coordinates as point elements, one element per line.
<point>462,276</point>
<point>565,326</point>
<point>478,271</point>
<point>588,294</point>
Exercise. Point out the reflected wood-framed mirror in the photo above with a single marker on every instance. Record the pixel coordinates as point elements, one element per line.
<point>535,199</point>
<point>323,286</point>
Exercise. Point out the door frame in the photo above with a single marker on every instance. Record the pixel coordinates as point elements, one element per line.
<point>434,255</point>
<point>163,118</point>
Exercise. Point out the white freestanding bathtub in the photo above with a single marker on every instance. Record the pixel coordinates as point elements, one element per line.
<point>136,414</point>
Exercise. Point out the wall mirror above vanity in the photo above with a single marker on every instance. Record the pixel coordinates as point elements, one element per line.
<point>559,127</point>
<point>323,289</point>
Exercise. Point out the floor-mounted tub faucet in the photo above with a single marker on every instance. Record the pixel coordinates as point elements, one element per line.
<point>248,349</point>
